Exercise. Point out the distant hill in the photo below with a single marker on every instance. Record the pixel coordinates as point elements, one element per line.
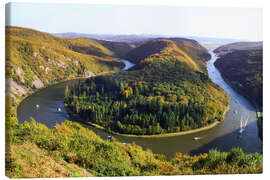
<point>186,50</point>
<point>238,46</point>
<point>134,39</point>
<point>243,70</point>
<point>35,59</point>
<point>212,40</point>
<point>143,38</point>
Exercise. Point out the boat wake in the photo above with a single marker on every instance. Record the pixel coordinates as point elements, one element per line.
<point>243,125</point>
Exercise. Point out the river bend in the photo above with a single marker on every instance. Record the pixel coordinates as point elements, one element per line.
<point>222,137</point>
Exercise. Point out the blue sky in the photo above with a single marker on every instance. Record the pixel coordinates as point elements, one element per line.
<point>238,23</point>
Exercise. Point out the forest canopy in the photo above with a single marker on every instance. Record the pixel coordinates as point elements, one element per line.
<point>164,93</point>
<point>243,70</point>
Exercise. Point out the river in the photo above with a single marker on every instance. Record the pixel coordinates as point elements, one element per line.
<point>223,137</point>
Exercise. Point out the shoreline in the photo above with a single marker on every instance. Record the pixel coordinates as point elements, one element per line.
<point>258,109</point>
<point>33,91</point>
<point>78,119</point>
<point>215,123</point>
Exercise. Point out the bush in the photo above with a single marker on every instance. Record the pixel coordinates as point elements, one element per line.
<point>235,155</point>
<point>250,161</point>
<point>104,158</point>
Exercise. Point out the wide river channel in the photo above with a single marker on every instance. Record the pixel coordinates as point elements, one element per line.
<point>222,137</point>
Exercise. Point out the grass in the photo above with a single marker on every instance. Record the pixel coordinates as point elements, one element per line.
<point>31,53</point>
<point>28,160</point>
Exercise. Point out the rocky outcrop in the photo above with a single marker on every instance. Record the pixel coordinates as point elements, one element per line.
<point>13,89</point>
<point>88,73</point>
<point>37,83</point>
<point>19,72</point>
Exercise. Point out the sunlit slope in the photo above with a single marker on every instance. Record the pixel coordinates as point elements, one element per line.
<point>35,59</point>
<point>165,92</point>
<point>188,51</point>
<point>195,51</point>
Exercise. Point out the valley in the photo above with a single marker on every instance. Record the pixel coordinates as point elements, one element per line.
<point>165,92</point>
<point>167,86</point>
<point>36,59</point>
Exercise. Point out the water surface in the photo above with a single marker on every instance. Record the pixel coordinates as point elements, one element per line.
<point>222,137</point>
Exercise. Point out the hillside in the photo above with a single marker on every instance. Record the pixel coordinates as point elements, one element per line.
<point>243,70</point>
<point>165,92</point>
<point>120,49</point>
<point>238,46</point>
<point>184,49</point>
<point>35,59</point>
<point>71,150</point>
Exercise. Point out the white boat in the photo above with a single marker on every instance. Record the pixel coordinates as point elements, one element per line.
<point>37,106</point>
<point>196,138</point>
<point>59,109</point>
<point>242,126</point>
<point>241,130</point>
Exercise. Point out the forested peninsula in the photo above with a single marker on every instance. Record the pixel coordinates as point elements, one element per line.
<point>167,91</point>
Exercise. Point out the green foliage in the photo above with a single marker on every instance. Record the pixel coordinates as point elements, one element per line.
<point>161,94</point>
<point>33,144</point>
<point>77,145</point>
<point>243,70</point>
<point>52,59</point>
<point>183,49</point>
<point>234,161</point>
<point>213,160</point>
<point>235,155</point>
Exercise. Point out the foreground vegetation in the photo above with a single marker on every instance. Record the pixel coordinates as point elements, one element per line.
<point>70,149</point>
<point>166,92</point>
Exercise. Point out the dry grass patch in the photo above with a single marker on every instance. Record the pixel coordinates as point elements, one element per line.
<point>29,161</point>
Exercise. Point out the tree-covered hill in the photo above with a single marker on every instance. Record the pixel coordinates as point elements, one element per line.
<point>35,59</point>
<point>243,70</point>
<point>190,49</point>
<point>165,92</point>
<point>227,48</point>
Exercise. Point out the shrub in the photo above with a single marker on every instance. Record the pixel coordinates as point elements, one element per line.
<point>235,155</point>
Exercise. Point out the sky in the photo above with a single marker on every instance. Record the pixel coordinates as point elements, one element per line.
<point>220,22</point>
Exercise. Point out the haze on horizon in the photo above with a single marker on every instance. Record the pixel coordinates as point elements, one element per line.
<point>220,22</point>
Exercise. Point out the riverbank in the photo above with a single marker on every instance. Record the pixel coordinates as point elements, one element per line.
<point>257,108</point>
<point>252,103</point>
<point>77,118</point>
<point>19,99</point>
